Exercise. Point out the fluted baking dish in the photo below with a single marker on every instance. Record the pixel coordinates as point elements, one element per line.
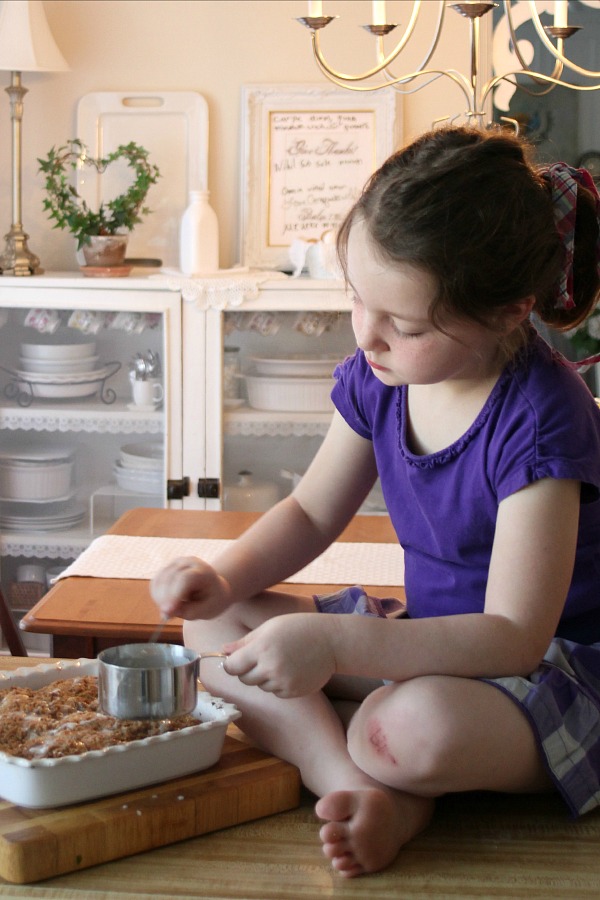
<point>65,780</point>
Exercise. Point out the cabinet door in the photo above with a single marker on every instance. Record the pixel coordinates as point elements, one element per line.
<point>123,454</point>
<point>257,444</point>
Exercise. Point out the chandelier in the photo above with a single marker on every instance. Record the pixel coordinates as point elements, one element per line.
<point>475,91</point>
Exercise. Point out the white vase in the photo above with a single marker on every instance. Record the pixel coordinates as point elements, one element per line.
<point>199,237</point>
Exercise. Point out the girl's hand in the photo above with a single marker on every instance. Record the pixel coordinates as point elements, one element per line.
<point>191,589</point>
<point>289,656</point>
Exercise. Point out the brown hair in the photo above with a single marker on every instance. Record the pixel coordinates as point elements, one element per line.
<point>469,207</point>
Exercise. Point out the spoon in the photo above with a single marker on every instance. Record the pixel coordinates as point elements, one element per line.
<point>158,630</point>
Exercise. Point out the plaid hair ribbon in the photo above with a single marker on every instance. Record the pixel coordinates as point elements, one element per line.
<point>564,180</point>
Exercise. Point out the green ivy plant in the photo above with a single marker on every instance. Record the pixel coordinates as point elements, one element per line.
<point>68,210</point>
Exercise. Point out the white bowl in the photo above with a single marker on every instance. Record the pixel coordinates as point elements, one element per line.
<point>44,783</point>
<point>304,366</point>
<point>290,394</point>
<point>63,344</point>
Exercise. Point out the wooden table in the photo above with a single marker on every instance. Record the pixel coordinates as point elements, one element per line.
<point>84,615</point>
<point>479,846</point>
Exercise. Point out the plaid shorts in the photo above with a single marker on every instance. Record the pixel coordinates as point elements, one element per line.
<point>561,700</point>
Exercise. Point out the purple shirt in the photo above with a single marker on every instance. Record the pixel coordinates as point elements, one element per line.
<point>539,421</point>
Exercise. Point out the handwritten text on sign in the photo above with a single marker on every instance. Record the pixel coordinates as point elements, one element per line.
<point>318,165</point>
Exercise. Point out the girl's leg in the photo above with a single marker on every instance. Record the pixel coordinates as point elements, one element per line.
<point>432,736</point>
<point>307,732</point>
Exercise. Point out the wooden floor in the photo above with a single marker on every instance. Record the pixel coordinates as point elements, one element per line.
<point>478,846</point>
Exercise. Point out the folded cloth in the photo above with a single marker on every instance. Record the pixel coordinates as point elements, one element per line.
<point>128,556</point>
<point>354,601</point>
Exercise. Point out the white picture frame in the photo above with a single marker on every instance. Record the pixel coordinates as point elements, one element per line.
<point>307,152</point>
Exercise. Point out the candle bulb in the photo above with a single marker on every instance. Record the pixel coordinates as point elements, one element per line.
<point>315,8</point>
<point>560,14</point>
<point>379,16</point>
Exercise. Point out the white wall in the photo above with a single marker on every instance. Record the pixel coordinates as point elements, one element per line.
<point>209,46</point>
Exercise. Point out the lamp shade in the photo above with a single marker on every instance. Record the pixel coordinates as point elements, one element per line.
<point>26,42</point>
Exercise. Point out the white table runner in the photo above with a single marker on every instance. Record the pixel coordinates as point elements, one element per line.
<point>123,556</point>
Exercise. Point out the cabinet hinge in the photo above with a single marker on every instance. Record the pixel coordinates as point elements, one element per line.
<point>178,488</point>
<point>209,488</point>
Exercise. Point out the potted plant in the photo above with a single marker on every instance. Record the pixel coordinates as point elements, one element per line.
<point>101,234</point>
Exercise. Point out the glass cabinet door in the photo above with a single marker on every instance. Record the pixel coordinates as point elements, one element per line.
<point>90,416</point>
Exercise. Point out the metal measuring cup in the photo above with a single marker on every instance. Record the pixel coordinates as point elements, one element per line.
<point>149,681</point>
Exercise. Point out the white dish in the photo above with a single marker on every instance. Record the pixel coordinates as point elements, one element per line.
<point>42,783</point>
<point>142,407</point>
<point>290,394</point>
<point>62,345</point>
<point>18,453</point>
<point>61,391</point>
<point>147,455</point>
<point>304,366</point>
<point>56,366</point>
<point>141,481</point>
<point>35,481</point>
<point>62,378</point>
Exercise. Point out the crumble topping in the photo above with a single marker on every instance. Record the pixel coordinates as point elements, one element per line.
<point>63,719</point>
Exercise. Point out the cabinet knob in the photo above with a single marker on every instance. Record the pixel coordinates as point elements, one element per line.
<point>178,488</point>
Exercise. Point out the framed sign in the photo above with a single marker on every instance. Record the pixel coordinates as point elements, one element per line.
<point>307,152</point>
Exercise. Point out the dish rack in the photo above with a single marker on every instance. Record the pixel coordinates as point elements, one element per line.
<point>22,387</point>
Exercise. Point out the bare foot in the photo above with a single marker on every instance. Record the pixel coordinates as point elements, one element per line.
<point>366,828</point>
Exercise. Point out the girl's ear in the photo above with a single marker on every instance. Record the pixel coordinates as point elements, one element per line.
<point>514,314</point>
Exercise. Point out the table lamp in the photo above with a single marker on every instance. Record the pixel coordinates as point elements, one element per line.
<point>26,45</point>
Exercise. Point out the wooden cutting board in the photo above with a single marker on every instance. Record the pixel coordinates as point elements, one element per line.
<point>245,784</point>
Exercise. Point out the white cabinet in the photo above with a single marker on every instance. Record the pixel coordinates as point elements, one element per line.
<point>206,442</point>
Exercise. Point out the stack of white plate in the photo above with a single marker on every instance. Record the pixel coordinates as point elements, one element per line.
<point>59,516</point>
<point>140,468</point>
<point>292,383</point>
<point>61,365</point>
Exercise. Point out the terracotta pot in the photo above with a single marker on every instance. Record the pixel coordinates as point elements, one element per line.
<point>105,250</point>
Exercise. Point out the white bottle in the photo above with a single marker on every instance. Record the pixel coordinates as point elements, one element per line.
<point>199,237</point>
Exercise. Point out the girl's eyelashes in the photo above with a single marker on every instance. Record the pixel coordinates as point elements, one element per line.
<point>401,333</point>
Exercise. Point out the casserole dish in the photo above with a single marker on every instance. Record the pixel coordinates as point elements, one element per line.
<point>290,394</point>
<point>50,782</point>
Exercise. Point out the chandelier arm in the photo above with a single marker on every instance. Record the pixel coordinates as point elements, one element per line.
<point>557,51</point>
<point>384,61</point>
<point>537,76</point>
<point>558,65</point>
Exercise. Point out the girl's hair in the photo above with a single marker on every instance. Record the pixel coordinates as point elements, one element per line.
<point>469,207</point>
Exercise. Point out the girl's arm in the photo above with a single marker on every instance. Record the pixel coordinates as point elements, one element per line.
<point>284,539</point>
<point>529,577</point>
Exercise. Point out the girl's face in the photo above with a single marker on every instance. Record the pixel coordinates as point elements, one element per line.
<point>390,318</point>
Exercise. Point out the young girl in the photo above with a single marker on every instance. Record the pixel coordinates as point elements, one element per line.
<point>487,444</point>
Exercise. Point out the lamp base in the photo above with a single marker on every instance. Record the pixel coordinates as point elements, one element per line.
<point>17,259</point>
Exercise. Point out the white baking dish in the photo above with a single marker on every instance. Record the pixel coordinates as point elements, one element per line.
<point>290,394</point>
<point>35,481</point>
<point>44,783</point>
